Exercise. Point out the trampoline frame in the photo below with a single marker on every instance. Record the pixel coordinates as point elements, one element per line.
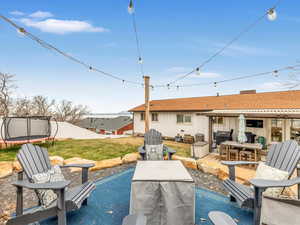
<point>28,138</point>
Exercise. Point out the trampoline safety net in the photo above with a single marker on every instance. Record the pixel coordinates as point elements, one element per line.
<point>25,128</point>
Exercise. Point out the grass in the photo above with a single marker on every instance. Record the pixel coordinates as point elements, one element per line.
<point>95,149</point>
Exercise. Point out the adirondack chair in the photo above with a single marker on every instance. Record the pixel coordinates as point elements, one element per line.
<point>34,160</point>
<point>153,142</point>
<point>284,156</point>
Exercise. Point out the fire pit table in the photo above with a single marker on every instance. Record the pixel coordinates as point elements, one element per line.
<point>164,192</point>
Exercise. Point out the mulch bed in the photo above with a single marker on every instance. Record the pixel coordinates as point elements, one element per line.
<point>8,192</point>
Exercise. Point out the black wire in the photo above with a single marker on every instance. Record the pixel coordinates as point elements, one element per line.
<point>236,78</point>
<point>244,31</point>
<point>72,58</point>
<point>138,45</point>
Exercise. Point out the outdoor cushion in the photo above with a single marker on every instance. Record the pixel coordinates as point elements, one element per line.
<point>47,197</point>
<point>154,152</point>
<point>270,173</point>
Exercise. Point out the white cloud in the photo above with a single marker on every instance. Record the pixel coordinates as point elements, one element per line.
<point>177,69</point>
<point>207,75</point>
<point>180,71</point>
<point>62,26</point>
<point>41,15</point>
<point>235,49</point>
<point>273,85</point>
<point>17,13</point>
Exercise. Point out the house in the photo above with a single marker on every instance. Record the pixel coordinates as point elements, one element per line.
<point>272,115</point>
<point>109,125</point>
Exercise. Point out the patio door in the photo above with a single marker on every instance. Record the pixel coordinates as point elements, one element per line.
<point>276,130</point>
<point>295,130</point>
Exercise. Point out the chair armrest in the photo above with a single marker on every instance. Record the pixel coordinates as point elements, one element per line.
<point>236,163</point>
<point>169,150</point>
<point>88,165</point>
<point>261,183</point>
<point>52,185</point>
<point>141,149</point>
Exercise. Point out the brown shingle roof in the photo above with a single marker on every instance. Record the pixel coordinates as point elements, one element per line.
<point>265,100</point>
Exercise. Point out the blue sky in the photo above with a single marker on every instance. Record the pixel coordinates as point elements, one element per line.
<point>176,36</point>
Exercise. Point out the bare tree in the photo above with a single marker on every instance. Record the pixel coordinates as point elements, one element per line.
<point>22,107</point>
<point>42,106</point>
<point>66,111</point>
<point>6,87</point>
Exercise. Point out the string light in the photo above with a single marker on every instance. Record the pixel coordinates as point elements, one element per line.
<point>177,87</point>
<point>198,71</point>
<point>140,61</point>
<point>275,73</point>
<point>51,47</point>
<point>215,84</point>
<point>130,7</point>
<point>168,86</point>
<point>272,15</point>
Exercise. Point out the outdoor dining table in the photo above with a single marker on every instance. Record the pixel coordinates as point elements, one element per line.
<point>164,192</point>
<point>256,147</point>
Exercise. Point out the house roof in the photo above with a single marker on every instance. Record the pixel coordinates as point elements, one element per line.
<point>264,100</point>
<point>108,124</point>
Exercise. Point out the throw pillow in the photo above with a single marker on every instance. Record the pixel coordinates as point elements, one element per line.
<point>47,197</point>
<point>270,173</point>
<point>154,152</point>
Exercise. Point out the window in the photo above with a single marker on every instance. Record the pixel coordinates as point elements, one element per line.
<point>218,120</point>
<point>181,118</point>
<point>295,130</point>
<point>255,123</point>
<point>154,116</point>
<point>276,130</point>
<point>142,116</point>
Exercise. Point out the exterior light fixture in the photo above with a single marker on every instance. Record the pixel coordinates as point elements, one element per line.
<point>130,7</point>
<point>272,15</point>
<point>198,71</point>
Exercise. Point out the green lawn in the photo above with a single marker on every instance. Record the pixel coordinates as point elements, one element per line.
<point>94,149</point>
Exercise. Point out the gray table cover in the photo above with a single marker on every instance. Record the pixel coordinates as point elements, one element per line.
<point>164,191</point>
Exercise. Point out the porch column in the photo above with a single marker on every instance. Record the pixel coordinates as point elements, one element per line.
<point>210,138</point>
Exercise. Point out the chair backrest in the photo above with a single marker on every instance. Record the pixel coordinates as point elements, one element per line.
<point>33,159</point>
<point>153,137</point>
<point>284,156</point>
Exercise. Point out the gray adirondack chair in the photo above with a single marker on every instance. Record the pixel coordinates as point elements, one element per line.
<point>34,159</point>
<point>152,138</point>
<point>284,156</point>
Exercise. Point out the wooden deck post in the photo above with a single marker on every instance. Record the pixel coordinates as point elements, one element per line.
<point>210,141</point>
<point>147,103</point>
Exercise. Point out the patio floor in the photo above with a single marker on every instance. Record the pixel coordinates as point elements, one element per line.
<point>109,204</point>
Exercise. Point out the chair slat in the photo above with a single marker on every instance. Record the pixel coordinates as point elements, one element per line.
<point>153,137</point>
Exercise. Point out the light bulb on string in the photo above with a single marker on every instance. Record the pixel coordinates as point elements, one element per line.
<point>90,69</point>
<point>130,7</point>
<point>215,84</point>
<point>198,71</point>
<point>123,82</point>
<point>275,73</point>
<point>21,31</point>
<point>177,87</point>
<point>272,15</point>
<point>152,87</point>
<point>168,86</point>
<point>140,60</point>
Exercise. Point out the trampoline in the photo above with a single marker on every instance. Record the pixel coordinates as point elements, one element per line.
<point>29,129</point>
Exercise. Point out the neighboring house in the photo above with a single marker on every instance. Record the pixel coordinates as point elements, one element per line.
<point>115,125</point>
<point>273,115</point>
<point>108,115</point>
